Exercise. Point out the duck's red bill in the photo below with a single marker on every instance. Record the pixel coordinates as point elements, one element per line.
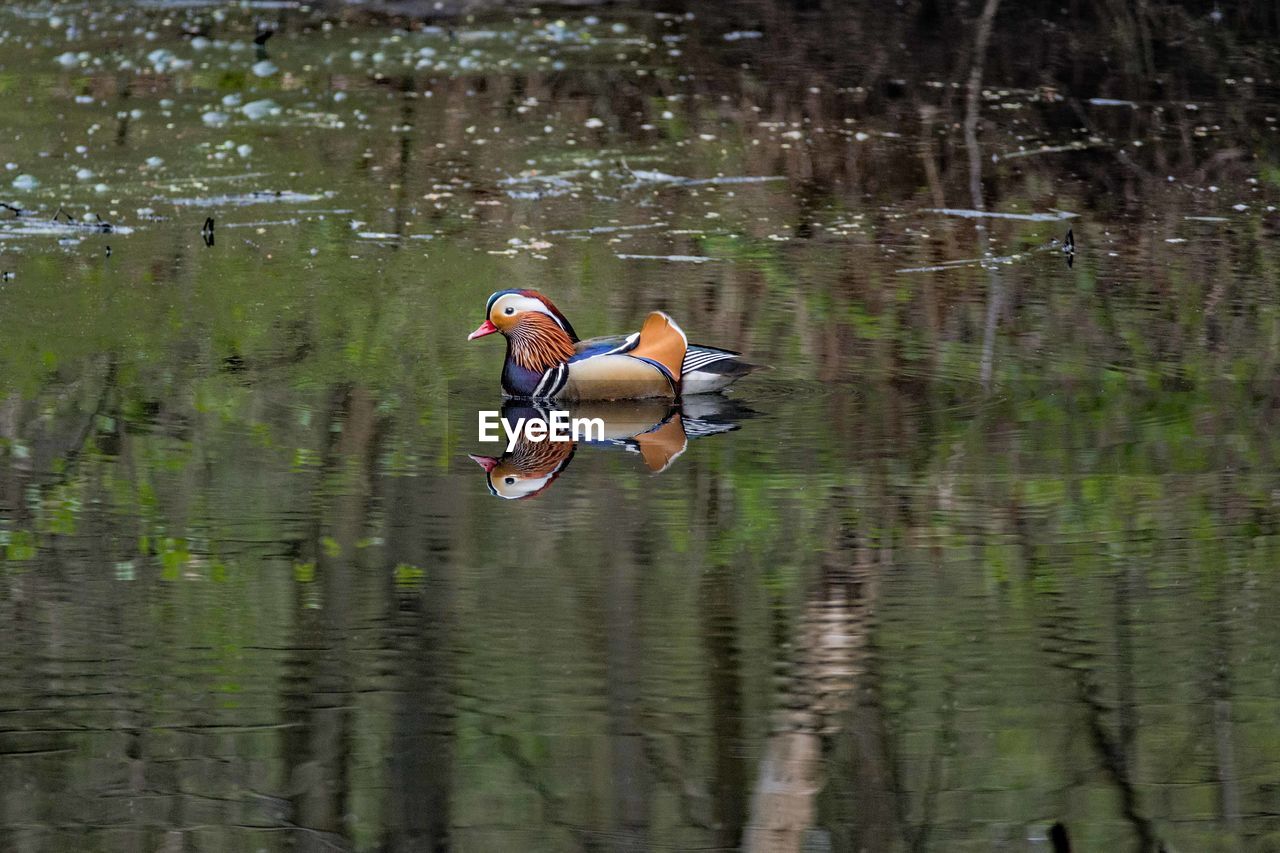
<point>486,328</point>
<point>488,463</point>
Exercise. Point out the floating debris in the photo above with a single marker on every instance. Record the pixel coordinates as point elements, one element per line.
<point>261,197</point>
<point>255,110</point>
<point>605,229</point>
<point>534,195</point>
<point>62,224</point>
<point>163,60</point>
<point>642,177</point>
<point>1112,102</point>
<point>1043,149</point>
<point>680,259</point>
<point>964,213</point>
<point>988,262</point>
<point>991,261</point>
<point>537,186</point>
<point>29,227</point>
<point>206,232</point>
<point>260,223</point>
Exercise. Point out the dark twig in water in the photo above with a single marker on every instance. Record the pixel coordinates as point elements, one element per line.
<point>206,231</point>
<point>61,212</point>
<point>1069,247</point>
<point>17,211</point>
<point>265,31</point>
<point>1058,838</point>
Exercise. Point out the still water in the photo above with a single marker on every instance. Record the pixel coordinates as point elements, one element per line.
<point>992,546</point>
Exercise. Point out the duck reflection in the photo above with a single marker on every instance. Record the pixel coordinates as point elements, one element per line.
<point>655,429</point>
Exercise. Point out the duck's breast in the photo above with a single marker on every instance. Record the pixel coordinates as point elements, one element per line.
<point>519,381</point>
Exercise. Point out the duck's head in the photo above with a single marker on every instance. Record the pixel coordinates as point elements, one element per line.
<point>522,313</point>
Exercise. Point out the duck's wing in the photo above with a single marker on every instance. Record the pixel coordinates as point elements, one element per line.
<point>606,345</point>
<point>660,342</point>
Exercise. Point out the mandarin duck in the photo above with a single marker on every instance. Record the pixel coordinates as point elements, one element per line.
<point>655,429</point>
<point>546,360</point>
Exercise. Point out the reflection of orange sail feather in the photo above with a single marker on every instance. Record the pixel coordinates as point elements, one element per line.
<point>660,447</point>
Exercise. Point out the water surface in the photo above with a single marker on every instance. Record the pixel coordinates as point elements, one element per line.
<point>991,546</point>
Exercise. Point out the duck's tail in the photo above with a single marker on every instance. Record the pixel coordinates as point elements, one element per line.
<point>709,369</point>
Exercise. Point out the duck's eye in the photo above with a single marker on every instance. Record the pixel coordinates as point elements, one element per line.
<point>510,481</point>
<point>508,311</point>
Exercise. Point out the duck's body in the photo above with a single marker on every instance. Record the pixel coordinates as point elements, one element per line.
<point>547,361</point>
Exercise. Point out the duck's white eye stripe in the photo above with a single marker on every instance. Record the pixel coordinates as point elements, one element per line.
<point>513,302</point>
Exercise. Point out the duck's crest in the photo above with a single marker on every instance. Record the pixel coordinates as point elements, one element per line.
<point>533,294</point>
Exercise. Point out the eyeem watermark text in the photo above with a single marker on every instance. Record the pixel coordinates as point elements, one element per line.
<point>557,426</point>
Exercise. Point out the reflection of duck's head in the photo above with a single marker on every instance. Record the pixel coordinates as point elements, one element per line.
<point>526,471</point>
